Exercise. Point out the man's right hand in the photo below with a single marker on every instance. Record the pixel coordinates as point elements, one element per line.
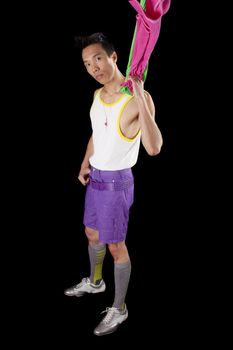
<point>84,176</point>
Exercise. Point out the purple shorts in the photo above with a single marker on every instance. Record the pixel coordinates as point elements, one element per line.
<point>107,207</point>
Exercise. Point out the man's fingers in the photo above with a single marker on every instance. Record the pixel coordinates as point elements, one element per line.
<point>83,180</point>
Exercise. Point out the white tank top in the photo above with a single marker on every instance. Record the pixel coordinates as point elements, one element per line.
<point>112,150</point>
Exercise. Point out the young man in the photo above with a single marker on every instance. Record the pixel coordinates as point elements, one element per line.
<point>119,123</point>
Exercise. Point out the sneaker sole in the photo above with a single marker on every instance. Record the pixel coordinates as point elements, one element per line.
<point>80,294</point>
<point>84,293</point>
<point>109,332</point>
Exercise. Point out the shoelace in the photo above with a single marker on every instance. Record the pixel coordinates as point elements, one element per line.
<point>84,281</point>
<point>110,312</point>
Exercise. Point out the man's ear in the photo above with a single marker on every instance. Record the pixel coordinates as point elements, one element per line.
<point>114,56</point>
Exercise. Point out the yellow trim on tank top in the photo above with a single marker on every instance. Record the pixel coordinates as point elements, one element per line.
<point>109,104</point>
<point>118,124</point>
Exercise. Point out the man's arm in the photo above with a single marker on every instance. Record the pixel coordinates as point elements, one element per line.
<point>85,166</point>
<point>151,136</point>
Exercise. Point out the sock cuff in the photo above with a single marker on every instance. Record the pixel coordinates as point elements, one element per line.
<point>123,265</point>
<point>101,246</point>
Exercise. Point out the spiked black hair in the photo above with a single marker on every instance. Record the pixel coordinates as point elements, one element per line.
<point>96,38</point>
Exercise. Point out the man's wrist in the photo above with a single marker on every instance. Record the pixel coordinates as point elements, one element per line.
<point>85,165</point>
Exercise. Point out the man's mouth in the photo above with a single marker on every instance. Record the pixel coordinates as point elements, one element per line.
<point>99,76</point>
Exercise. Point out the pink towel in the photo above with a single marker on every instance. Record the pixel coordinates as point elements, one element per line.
<point>148,23</point>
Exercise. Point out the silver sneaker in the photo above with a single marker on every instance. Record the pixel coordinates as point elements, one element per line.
<point>111,321</point>
<point>85,286</point>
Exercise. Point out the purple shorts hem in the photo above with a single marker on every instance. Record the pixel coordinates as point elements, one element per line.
<point>111,242</point>
<point>90,226</point>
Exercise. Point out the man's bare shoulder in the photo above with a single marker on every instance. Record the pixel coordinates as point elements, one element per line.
<point>147,94</point>
<point>149,102</point>
<point>96,92</point>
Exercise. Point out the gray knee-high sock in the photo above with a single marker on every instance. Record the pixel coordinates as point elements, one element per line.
<point>96,256</point>
<point>121,275</point>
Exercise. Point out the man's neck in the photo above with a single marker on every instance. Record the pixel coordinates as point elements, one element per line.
<point>113,88</point>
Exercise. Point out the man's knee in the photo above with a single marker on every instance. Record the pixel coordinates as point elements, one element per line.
<point>117,249</point>
<point>92,235</point>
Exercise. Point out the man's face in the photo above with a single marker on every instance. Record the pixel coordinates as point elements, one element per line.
<point>98,64</point>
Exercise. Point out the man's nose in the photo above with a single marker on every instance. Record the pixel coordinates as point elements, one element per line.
<point>95,68</point>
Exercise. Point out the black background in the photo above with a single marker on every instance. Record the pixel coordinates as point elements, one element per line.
<point>161,237</point>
